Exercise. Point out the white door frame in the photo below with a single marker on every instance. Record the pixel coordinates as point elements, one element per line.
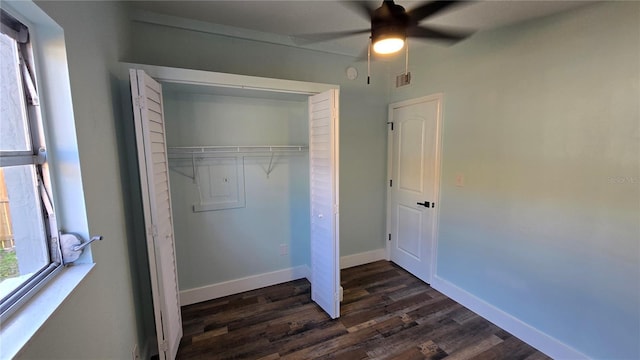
<point>214,79</point>
<point>438,172</point>
<point>165,74</point>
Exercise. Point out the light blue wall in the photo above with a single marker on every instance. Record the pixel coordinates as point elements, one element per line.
<point>111,310</point>
<point>363,110</point>
<point>100,318</point>
<point>542,120</point>
<point>222,245</point>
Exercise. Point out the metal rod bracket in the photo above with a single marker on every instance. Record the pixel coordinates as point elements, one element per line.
<point>72,246</point>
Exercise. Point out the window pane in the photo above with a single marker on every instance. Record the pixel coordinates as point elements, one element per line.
<point>22,237</point>
<point>14,133</point>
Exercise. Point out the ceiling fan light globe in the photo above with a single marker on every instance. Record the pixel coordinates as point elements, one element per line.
<point>388,45</point>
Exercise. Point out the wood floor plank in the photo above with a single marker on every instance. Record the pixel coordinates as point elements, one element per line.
<point>474,348</point>
<point>511,348</point>
<point>409,336</point>
<point>312,337</point>
<point>349,354</point>
<point>348,340</point>
<point>386,314</point>
<point>410,354</point>
<point>207,335</point>
<point>270,357</point>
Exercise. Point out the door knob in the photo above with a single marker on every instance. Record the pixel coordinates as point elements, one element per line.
<point>425,204</point>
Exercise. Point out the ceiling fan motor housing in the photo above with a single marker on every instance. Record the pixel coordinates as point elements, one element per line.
<point>389,21</point>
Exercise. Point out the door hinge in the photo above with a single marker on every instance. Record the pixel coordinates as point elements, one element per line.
<point>390,122</point>
<point>389,237</point>
<point>164,346</point>
<point>390,182</point>
<point>139,102</point>
<point>153,231</point>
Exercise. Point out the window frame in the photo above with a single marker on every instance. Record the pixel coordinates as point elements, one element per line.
<point>35,156</point>
<point>59,121</point>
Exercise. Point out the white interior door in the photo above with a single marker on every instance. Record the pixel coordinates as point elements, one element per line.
<point>413,185</point>
<point>323,163</point>
<point>154,180</point>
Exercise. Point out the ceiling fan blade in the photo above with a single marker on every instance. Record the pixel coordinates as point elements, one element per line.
<point>429,9</point>
<point>364,8</point>
<point>424,32</point>
<point>306,39</point>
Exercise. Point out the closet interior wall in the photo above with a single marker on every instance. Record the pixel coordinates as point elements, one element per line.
<point>270,232</point>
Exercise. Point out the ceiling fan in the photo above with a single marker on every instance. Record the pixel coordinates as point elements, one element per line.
<point>391,24</point>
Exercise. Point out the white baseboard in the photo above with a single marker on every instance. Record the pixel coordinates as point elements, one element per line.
<point>362,258</point>
<point>532,336</point>
<point>214,291</point>
<point>536,338</point>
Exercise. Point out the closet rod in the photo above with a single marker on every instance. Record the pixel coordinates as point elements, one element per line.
<point>193,150</point>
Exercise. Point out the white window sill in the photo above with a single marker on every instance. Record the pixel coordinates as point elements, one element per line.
<point>19,328</point>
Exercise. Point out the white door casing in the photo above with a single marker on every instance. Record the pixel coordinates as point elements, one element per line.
<point>323,157</point>
<point>323,165</point>
<point>414,172</point>
<point>154,180</point>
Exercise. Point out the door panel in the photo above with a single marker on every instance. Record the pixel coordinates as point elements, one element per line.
<point>152,160</point>
<point>323,163</point>
<point>410,157</point>
<point>414,164</point>
<point>409,229</point>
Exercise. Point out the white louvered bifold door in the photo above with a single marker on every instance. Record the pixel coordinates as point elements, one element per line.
<point>323,163</point>
<point>154,179</point>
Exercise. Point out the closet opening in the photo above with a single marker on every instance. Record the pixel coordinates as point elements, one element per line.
<point>239,174</point>
<point>239,186</point>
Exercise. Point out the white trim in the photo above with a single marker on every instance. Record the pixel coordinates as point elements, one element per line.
<point>362,258</point>
<point>439,97</point>
<point>437,184</point>
<point>214,291</point>
<point>390,145</point>
<point>146,17</point>
<point>165,74</point>
<point>532,336</point>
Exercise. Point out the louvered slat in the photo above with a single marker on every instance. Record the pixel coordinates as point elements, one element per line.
<point>323,157</point>
<point>158,218</point>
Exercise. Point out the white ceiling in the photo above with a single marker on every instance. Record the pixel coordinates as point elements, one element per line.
<point>286,18</point>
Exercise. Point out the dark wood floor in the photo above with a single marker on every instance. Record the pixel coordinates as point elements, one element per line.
<point>386,314</point>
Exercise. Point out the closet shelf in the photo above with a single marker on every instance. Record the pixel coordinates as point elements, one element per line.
<point>197,153</point>
<point>204,150</point>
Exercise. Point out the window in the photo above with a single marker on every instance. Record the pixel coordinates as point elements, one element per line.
<point>29,254</point>
<point>36,72</point>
